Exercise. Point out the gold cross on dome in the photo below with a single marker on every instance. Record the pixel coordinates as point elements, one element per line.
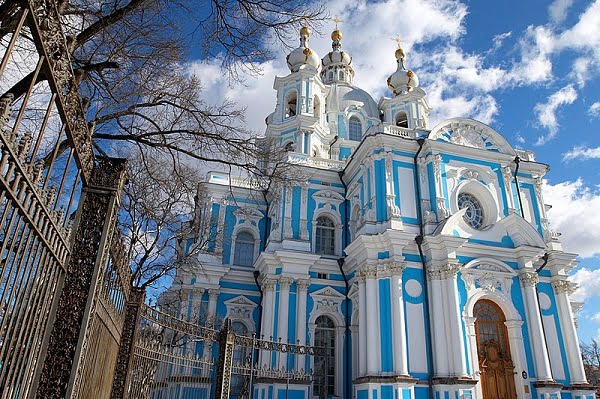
<point>397,40</point>
<point>337,20</point>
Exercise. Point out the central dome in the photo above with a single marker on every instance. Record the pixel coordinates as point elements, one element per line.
<point>342,96</point>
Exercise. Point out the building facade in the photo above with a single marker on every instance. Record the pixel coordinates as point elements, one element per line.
<point>420,255</point>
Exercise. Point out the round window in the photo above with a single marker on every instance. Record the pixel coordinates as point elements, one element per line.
<point>474,210</point>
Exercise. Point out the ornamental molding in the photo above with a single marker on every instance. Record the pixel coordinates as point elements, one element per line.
<point>489,275</point>
<point>247,214</point>
<point>529,279</point>
<point>303,284</point>
<point>327,300</point>
<point>285,282</point>
<point>564,287</point>
<point>268,284</point>
<point>327,197</point>
<point>470,133</point>
<point>239,308</point>
<point>448,270</point>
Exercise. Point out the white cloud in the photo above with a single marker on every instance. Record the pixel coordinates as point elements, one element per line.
<point>596,317</point>
<point>499,40</point>
<point>584,35</point>
<point>589,285</point>
<point>594,110</point>
<point>558,10</point>
<point>535,66</point>
<point>581,153</point>
<point>575,215</point>
<point>546,112</point>
<point>582,67</point>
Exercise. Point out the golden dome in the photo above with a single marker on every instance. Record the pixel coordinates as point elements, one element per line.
<point>305,31</point>
<point>399,53</point>
<point>336,35</point>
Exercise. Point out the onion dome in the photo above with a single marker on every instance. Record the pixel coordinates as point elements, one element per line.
<point>337,65</point>
<point>303,57</point>
<point>403,80</point>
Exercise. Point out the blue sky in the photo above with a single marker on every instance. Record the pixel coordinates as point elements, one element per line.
<point>530,69</point>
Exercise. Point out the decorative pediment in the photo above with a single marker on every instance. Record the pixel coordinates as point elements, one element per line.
<point>471,133</point>
<point>327,300</point>
<point>247,215</point>
<point>240,308</point>
<point>489,275</point>
<point>328,197</point>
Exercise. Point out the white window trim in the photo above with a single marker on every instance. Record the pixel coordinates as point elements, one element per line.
<point>255,233</point>
<point>483,195</point>
<point>337,232</point>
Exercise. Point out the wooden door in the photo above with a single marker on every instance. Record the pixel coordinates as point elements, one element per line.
<point>495,364</point>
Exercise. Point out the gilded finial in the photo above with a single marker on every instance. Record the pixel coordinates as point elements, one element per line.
<point>305,30</point>
<point>399,52</point>
<point>336,35</point>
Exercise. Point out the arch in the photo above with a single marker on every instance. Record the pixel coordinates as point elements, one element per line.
<point>291,104</point>
<point>495,264</point>
<point>471,133</point>
<point>402,119</point>
<point>355,129</point>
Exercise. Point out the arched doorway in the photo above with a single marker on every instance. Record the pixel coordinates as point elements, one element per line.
<point>495,363</point>
<point>325,336</point>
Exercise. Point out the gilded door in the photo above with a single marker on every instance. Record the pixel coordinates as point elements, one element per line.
<point>495,364</point>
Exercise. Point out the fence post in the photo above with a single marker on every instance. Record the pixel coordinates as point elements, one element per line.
<point>126,348</point>
<point>225,361</point>
<point>95,224</point>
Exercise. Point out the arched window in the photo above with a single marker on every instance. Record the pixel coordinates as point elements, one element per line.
<point>291,104</point>
<point>489,324</point>
<point>325,236</point>
<point>402,119</point>
<point>244,249</point>
<point>324,371</point>
<point>474,211</point>
<point>354,129</point>
<point>289,147</point>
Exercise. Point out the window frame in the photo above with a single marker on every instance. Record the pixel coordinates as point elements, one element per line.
<point>354,119</point>
<point>236,248</point>
<point>332,229</point>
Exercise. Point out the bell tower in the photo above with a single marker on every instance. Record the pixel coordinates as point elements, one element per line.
<point>408,108</point>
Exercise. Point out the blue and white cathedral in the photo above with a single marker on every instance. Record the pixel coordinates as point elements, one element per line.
<point>421,256</point>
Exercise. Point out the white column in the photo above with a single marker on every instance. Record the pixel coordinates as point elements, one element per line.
<point>303,212</point>
<point>373,365</point>
<point>458,365</point>
<point>562,289</point>
<point>534,323</point>
<point>302,288</point>
<point>517,350</point>
<point>472,340</point>
<point>392,208</point>
<point>436,305</point>
<point>268,287</point>
<point>398,320</point>
<point>362,325</point>
<point>219,243</point>
<point>282,322</point>
<point>211,317</point>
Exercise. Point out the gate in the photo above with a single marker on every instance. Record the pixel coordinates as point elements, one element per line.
<point>62,295</point>
<point>175,359</point>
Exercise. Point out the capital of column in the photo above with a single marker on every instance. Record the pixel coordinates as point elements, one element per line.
<point>360,276</point>
<point>529,279</point>
<point>213,293</point>
<point>303,284</point>
<point>268,284</point>
<point>198,291</point>
<point>434,274</point>
<point>370,272</point>
<point>284,283</point>
<point>450,269</point>
<point>563,287</point>
<point>397,267</point>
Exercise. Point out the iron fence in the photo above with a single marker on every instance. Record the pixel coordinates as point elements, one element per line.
<point>174,359</point>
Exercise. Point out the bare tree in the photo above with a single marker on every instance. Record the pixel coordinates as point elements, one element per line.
<point>590,351</point>
<point>157,203</point>
<point>130,59</point>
